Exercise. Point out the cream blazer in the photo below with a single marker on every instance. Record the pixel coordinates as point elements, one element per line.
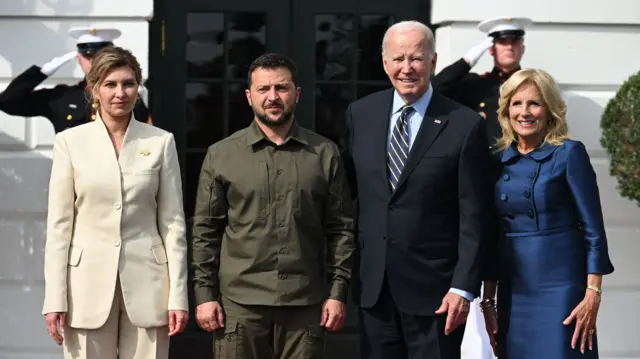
<point>115,217</point>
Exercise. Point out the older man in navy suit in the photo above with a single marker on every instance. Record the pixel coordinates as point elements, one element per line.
<point>419,166</point>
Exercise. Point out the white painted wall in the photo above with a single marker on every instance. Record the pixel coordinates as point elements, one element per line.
<point>33,32</point>
<point>590,47</point>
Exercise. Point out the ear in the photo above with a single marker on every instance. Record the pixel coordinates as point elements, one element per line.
<point>384,64</point>
<point>248,94</point>
<point>298,90</point>
<point>94,93</point>
<point>492,50</point>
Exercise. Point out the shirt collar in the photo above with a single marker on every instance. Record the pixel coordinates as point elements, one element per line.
<point>420,106</point>
<point>255,134</point>
<point>538,154</point>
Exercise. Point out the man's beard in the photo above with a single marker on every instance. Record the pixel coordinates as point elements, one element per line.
<point>283,120</point>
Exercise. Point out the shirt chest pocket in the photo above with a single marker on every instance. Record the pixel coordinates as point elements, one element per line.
<point>248,193</point>
<point>311,186</point>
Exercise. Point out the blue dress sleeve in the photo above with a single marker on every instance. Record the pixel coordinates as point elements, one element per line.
<point>583,185</point>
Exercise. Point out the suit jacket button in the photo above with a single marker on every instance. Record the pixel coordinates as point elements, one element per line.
<point>118,206</point>
<point>116,243</point>
<point>531,214</point>
<point>503,196</point>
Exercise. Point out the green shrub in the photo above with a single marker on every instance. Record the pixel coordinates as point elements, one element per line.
<point>621,137</point>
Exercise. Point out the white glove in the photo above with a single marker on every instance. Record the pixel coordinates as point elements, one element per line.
<point>52,66</point>
<point>475,53</point>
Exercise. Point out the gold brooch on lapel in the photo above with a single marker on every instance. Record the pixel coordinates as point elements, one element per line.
<point>145,152</point>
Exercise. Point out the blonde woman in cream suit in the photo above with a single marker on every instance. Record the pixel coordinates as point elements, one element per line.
<point>115,257</point>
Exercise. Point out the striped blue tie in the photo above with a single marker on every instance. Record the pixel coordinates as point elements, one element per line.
<point>398,147</point>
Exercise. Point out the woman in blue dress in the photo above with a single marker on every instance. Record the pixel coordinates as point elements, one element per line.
<point>552,251</point>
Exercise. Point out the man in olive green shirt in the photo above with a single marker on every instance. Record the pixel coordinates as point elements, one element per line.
<point>273,224</point>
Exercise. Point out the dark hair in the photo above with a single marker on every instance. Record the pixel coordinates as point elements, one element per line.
<point>272,61</point>
<point>110,58</point>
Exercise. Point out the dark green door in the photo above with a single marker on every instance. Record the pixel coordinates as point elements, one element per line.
<point>222,39</point>
<point>200,53</point>
<point>339,43</point>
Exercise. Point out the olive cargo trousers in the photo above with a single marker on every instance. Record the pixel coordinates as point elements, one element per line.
<point>270,332</point>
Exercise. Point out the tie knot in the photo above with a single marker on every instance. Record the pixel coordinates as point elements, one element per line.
<point>406,110</point>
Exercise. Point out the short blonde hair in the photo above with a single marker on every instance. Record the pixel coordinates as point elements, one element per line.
<point>109,59</point>
<point>555,107</point>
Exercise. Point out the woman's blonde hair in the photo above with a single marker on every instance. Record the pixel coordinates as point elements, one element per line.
<point>555,107</point>
<point>109,59</point>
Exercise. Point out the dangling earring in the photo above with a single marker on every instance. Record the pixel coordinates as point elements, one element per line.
<point>94,110</point>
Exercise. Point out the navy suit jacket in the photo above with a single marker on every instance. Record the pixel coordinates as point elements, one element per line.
<point>431,233</point>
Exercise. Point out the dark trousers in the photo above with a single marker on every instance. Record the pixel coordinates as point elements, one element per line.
<point>388,333</point>
<point>268,332</point>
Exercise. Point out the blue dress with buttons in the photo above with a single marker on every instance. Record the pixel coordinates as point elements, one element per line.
<point>553,236</point>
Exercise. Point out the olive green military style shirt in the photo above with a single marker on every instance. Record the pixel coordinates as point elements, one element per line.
<point>273,224</point>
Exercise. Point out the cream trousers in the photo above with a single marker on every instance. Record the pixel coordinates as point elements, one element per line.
<point>118,338</point>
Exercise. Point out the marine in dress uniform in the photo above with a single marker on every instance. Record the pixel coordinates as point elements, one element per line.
<point>482,91</point>
<point>65,106</point>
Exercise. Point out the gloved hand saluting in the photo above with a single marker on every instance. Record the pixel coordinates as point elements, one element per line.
<point>52,66</point>
<point>475,53</point>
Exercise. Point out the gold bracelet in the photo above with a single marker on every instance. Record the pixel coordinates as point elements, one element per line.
<point>487,303</point>
<point>595,289</point>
